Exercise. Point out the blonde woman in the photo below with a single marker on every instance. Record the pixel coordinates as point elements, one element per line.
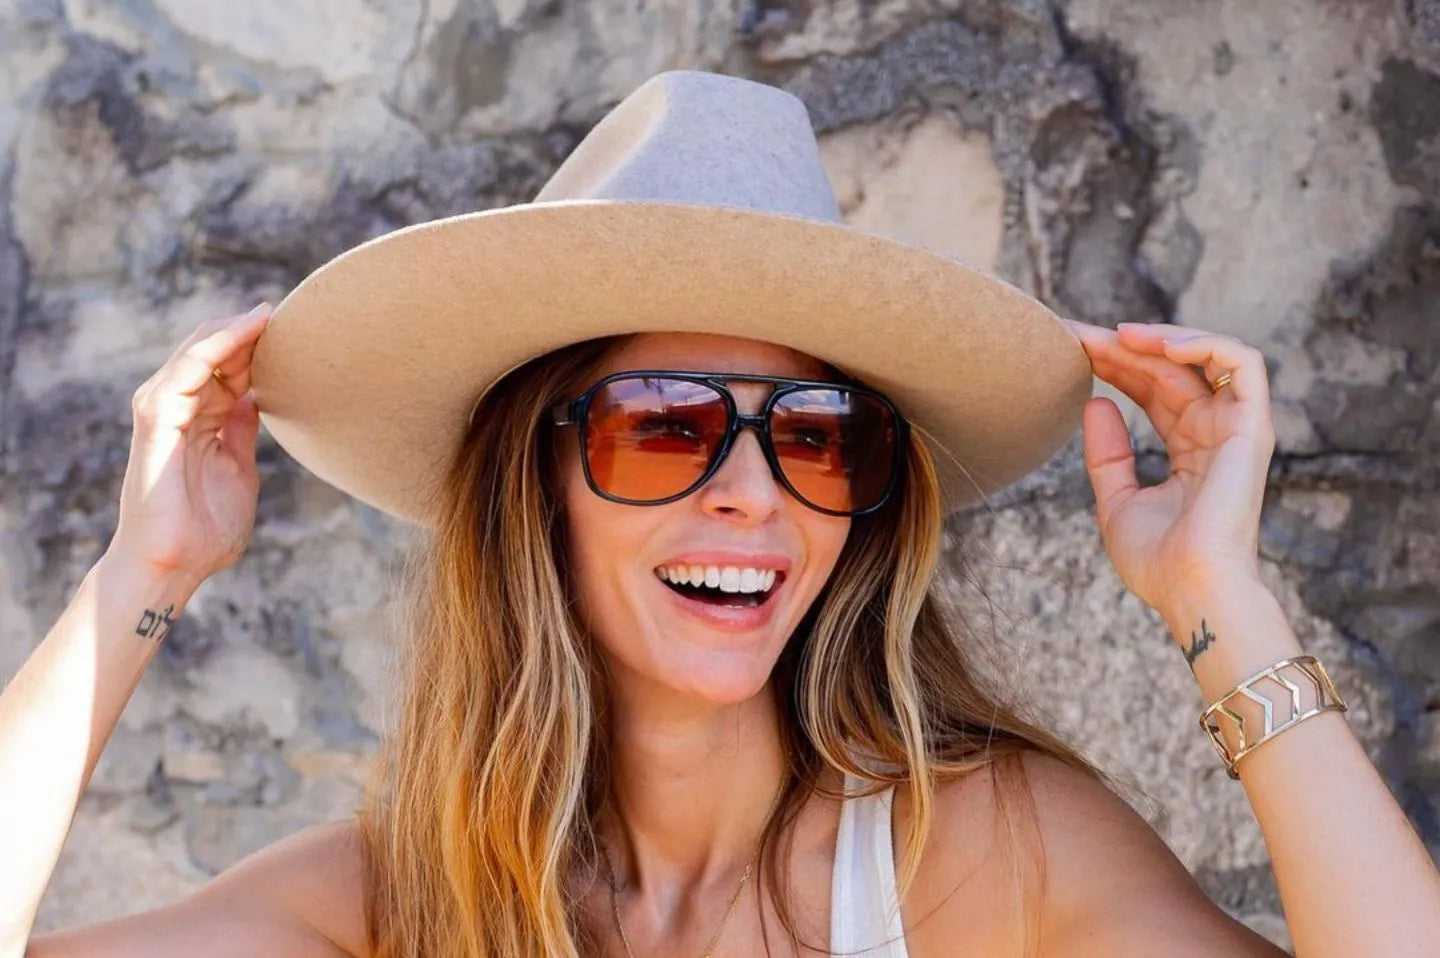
<point>678,684</point>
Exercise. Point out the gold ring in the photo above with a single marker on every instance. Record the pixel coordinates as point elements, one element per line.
<point>218,374</point>
<point>1223,380</point>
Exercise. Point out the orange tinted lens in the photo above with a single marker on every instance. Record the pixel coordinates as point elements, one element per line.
<point>836,447</point>
<point>651,437</point>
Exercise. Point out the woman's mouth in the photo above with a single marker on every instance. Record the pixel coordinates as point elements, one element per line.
<point>732,586</point>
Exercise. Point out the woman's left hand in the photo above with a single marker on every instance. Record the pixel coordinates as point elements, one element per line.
<point>1199,529</point>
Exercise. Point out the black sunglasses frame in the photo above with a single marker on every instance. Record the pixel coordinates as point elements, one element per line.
<point>575,412</point>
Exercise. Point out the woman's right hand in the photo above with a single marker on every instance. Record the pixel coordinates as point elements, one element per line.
<point>188,499</point>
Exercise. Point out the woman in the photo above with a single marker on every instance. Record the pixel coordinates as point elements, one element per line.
<point>678,683</point>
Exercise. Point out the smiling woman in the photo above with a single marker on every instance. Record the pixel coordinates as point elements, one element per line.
<point>677,677</point>
<point>658,709</point>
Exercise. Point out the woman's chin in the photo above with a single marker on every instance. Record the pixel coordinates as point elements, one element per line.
<point>721,696</point>
<point>718,680</point>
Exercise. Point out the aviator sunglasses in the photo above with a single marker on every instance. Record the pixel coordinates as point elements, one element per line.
<point>649,437</point>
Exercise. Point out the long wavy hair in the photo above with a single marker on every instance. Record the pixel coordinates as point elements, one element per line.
<point>482,807</point>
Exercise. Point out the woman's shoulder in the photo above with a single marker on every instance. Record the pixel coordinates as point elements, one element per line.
<point>312,880</point>
<point>300,897</point>
<point>1102,878</point>
<point>319,873</point>
<point>962,900</point>
<point>328,863</point>
<point>986,859</point>
<point>1042,802</point>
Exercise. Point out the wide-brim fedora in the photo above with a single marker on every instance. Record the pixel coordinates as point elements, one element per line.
<point>699,203</point>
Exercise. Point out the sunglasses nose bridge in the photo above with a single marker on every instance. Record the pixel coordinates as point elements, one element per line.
<point>758,423</point>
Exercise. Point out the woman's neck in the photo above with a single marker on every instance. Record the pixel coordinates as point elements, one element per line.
<point>692,786</point>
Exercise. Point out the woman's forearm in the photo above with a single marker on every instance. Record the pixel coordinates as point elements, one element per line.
<point>1354,877</point>
<point>57,713</point>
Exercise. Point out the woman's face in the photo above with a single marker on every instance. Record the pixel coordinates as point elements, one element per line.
<point>721,652</point>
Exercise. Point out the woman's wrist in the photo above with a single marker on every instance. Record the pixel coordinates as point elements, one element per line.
<point>155,596</point>
<point>1228,630</point>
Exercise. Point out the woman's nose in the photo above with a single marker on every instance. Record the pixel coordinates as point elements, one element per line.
<point>743,487</point>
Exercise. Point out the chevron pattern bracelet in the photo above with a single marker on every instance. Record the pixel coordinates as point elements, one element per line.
<point>1328,700</point>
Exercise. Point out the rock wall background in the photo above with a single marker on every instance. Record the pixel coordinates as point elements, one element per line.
<point>1267,170</point>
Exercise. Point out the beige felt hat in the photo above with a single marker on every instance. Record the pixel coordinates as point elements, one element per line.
<point>698,203</point>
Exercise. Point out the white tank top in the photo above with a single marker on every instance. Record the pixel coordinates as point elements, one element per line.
<point>864,907</point>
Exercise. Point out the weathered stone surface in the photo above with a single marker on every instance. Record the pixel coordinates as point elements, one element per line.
<point>129,759</point>
<point>340,39</point>
<point>1264,169</point>
<point>219,833</point>
<point>1425,21</point>
<point>793,30</point>
<point>1067,623</point>
<point>1293,174</point>
<point>1405,111</point>
<point>480,68</point>
<point>99,875</point>
<point>922,180</point>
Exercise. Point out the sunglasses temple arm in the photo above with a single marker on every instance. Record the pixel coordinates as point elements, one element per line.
<point>560,414</point>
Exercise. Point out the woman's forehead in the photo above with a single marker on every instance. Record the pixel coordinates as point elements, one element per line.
<point>712,352</point>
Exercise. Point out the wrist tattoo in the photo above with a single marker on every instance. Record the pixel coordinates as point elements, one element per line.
<point>156,625</point>
<point>1198,645</point>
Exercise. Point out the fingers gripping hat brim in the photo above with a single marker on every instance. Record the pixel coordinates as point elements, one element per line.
<point>369,369</point>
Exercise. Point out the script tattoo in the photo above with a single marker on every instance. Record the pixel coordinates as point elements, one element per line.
<point>1198,645</point>
<point>156,625</point>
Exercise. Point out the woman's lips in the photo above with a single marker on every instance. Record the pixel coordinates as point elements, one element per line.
<point>728,618</point>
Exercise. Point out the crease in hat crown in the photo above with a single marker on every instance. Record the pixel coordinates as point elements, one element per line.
<point>685,136</point>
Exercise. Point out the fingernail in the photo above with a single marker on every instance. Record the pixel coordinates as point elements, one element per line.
<point>264,305</point>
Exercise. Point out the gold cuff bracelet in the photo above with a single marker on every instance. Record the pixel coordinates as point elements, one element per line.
<point>1328,700</point>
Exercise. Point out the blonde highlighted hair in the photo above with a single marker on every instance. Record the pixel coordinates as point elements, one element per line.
<point>482,807</point>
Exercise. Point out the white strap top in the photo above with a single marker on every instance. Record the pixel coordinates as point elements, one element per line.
<point>864,908</point>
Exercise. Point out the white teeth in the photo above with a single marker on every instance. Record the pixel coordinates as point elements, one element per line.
<point>725,578</point>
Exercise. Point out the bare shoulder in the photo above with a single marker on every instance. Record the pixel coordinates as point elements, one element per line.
<point>1109,885</point>
<point>318,873</point>
<point>300,897</point>
<point>962,900</point>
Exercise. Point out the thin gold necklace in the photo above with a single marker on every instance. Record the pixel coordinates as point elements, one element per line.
<point>744,877</point>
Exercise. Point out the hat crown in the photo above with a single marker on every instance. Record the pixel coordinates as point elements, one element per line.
<point>686,136</point>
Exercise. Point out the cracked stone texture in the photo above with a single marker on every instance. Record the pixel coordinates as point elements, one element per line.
<point>1269,170</point>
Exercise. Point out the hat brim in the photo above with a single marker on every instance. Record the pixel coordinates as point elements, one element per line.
<point>369,369</point>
